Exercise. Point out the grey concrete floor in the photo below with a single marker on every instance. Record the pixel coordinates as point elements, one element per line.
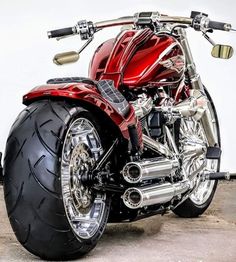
<point>212,237</point>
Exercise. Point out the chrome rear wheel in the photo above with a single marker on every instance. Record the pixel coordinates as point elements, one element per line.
<point>84,207</point>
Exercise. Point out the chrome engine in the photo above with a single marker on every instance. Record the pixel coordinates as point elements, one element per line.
<point>142,106</point>
<point>191,152</point>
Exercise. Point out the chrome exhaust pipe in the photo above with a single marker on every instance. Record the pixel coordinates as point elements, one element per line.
<point>138,197</point>
<point>134,172</point>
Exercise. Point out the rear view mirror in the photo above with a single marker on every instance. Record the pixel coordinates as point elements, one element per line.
<point>66,58</point>
<point>222,51</point>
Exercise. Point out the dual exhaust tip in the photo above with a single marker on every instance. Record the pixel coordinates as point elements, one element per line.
<point>149,195</point>
<point>135,172</point>
<point>133,198</point>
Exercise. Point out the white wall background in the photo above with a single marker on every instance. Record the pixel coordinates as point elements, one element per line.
<point>26,53</point>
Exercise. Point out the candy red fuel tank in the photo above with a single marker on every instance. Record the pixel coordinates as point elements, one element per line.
<point>139,58</point>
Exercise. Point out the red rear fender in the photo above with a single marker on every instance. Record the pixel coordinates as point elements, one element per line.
<point>86,93</point>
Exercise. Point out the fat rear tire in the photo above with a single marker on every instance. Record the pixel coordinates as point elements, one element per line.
<point>32,185</point>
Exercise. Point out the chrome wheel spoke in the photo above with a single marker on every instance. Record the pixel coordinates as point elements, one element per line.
<point>85,220</point>
<point>192,131</point>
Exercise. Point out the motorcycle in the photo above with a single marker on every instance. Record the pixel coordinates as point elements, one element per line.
<point>138,137</point>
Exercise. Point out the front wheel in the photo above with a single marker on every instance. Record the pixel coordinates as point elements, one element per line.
<point>201,198</point>
<point>53,214</point>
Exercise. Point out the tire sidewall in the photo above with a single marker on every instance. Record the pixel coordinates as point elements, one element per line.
<point>34,202</point>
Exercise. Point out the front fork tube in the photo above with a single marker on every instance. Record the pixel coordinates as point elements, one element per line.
<point>196,83</point>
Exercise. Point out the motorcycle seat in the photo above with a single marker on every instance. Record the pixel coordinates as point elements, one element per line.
<point>113,96</point>
<point>106,89</point>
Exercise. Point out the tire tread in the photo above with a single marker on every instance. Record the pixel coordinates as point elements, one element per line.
<point>32,182</point>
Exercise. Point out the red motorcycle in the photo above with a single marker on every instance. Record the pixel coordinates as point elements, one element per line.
<point>139,137</point>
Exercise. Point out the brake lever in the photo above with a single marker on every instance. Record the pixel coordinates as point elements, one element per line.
<point>209,31</point>
<point>63,37</point>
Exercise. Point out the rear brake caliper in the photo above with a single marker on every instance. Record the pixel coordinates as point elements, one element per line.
<point>81,163</point>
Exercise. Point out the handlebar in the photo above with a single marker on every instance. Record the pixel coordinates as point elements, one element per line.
<point>62,32</point>
<point>219,26</point>
<point>86,29</point>
<point>128,20</point>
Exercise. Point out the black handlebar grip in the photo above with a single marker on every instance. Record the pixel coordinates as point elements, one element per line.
<point>61,32</point>
<point>219,26</point>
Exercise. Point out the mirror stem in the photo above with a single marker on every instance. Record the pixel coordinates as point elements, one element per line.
<point>208,38</point>
<point>85,45</point>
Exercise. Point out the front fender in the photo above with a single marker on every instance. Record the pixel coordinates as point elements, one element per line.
<point>86,93</point>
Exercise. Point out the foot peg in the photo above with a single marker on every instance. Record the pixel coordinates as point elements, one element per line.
<point>220,176</point>
<point>213,152</point>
